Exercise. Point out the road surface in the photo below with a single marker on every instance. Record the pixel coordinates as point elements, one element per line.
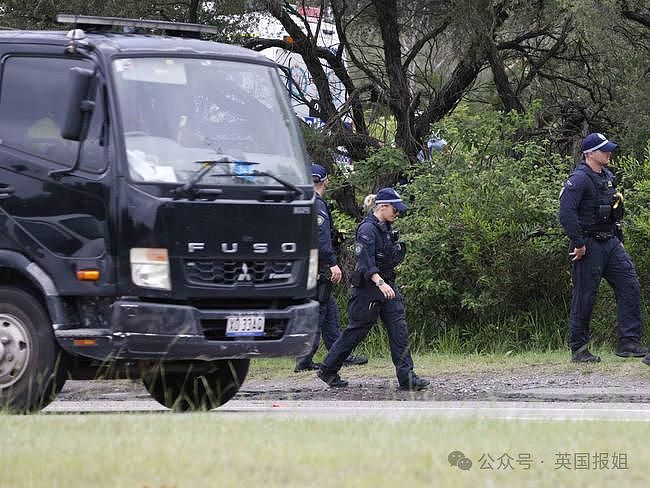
<point>390,410</point>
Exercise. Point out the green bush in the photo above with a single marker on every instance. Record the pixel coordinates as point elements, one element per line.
<point>487,267</point>
<point>484,244</point>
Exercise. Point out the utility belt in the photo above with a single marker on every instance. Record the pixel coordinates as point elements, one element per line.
<point>366,288</point>
<point>600,236</point>
<point>357,279</point>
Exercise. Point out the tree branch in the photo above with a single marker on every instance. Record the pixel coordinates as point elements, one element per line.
<point>638,17</point>
<point>419,44</point>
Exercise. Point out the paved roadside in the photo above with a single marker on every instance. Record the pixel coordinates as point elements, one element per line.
<point>389,410</point>
<point>579,394</point>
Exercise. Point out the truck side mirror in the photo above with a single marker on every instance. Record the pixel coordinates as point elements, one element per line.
<point>79,107</point>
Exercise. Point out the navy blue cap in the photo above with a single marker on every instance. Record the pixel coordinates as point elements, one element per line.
<point>318,172</point>
<point>597,142</point>
<point>389,195</point>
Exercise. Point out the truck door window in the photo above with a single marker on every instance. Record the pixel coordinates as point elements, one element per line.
<point>93,154</point>
<point>33,97</point>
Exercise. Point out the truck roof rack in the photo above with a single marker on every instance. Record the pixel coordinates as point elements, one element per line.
<point>91,22</point>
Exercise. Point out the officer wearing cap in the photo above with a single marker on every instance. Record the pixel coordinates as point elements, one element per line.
<point>375,294</point>
<point>590,212</point>
<point>328,273</point>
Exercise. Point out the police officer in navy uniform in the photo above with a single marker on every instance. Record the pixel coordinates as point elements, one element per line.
<point>328,273</point>
<point>375,294</point>
<point>590,212</point>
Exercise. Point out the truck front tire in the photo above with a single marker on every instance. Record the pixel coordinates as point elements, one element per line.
<point>32,369</point>
<point>196,387</point>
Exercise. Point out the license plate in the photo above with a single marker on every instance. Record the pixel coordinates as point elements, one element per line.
<point>244,325</point>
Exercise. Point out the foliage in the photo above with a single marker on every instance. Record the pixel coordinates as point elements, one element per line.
<point>382,167</point>
<point>487,265</point>
<point>635,176</point>
<point>317,145</point>
<point>41,14</point>
<point>483,234</point>
<point>487,268</point>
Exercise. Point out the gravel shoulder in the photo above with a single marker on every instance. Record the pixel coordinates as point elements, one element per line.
<point>616,381</point>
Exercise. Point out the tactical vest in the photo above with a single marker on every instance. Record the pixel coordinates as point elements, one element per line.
<point>384,251</point>
<point>608,203</point>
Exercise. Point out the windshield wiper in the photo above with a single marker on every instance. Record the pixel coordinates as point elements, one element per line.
<point>291,190</point>
<point>187,189</point>
<point>297,192</point>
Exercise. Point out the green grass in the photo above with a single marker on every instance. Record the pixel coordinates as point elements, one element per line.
<point>217,449</point>
<point>221,449</point>
<point>432,364</point>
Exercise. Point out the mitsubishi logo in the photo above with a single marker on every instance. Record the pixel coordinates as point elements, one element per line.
<point>244,275</point>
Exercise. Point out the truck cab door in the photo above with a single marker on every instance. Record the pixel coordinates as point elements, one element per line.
<point>58,222</point>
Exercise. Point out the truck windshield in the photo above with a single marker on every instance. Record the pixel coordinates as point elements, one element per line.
<point>177,111</point>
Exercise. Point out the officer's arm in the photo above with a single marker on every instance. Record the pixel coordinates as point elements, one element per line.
<point>570,198</point>
<point>325,248</point>
<point>364,250</point>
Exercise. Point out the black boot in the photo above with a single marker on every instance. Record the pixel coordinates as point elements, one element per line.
<point>583,355</point>
<point>413,383</point>
<point>333,380</point>
<point>355,360</point>
<point>631,348</point>
<point>304,366</point>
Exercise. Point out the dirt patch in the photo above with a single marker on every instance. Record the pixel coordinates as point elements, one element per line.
<point>515,384</point>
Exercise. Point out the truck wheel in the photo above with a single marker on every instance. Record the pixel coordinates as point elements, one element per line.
<point>189,390</point>
<point>31,368</point>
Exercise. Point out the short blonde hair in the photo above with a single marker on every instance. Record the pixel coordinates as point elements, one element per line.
<point>369,203</point>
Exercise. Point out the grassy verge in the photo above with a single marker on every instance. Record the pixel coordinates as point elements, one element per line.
<point>166,450</point>
<point>548,362</point>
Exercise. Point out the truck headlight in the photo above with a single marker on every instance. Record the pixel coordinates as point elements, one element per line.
<point>312,273</point>
<point>150,268</point>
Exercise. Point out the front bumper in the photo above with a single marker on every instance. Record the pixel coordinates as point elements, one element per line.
<point>142,330</point>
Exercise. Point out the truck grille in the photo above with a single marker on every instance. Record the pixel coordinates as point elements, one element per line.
<point>222,272</point>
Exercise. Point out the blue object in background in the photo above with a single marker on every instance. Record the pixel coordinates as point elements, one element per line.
<point>434,143</point>
<point>243,170</point>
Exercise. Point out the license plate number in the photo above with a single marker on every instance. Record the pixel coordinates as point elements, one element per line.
<point>244,325</point>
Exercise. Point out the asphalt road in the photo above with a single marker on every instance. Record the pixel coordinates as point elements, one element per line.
<point>391,410</point>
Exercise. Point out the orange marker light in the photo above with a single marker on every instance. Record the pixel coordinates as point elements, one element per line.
<point>84,342</point>
<point>88,275</point>
<point>156,255</point>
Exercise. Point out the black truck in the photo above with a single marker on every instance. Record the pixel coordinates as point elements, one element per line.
<point>156,213</point>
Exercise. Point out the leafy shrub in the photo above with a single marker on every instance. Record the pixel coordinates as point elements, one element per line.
<point>484,243</point>
<point>487,266</point>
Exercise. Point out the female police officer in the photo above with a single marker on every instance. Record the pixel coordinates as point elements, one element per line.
<point>374,295</point>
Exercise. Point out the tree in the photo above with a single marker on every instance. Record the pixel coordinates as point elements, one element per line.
<point>412,62</point>
<point>41,14</point>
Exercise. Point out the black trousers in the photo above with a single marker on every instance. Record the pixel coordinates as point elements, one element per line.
<point>363,312</point>
<point>604,259</point>
<point>328,325</point>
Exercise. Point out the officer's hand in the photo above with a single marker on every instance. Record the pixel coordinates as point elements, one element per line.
<point>387,291</point>
<point>578,253</point>
<point>336,274</point>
